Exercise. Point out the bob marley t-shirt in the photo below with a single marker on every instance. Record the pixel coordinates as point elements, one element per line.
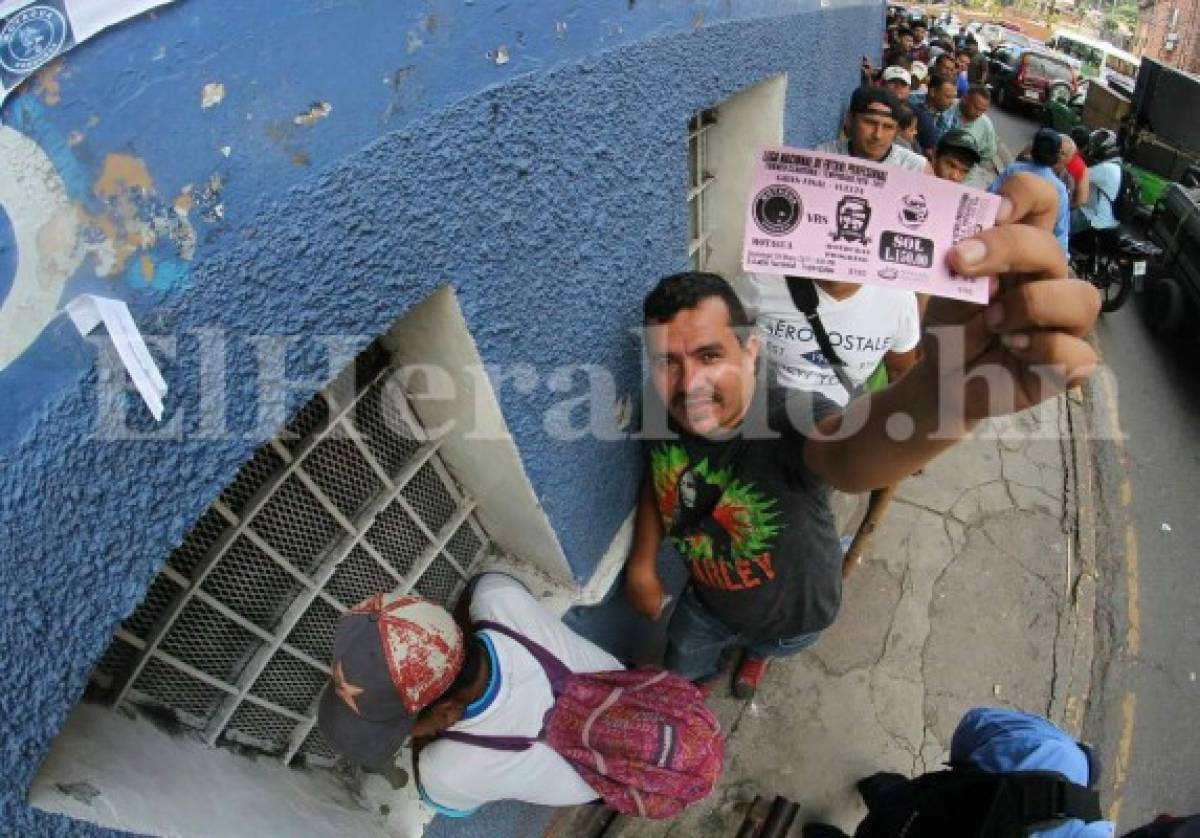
<point>752,523</point>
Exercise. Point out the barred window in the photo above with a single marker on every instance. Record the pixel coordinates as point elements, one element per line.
<point>234,636</point>
<point>700,178</point>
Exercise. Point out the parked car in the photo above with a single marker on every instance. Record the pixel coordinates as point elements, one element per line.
<point>1028,78</point>
<point>1011,24</point>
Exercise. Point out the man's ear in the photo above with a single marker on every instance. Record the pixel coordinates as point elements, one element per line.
<point>437,717</point>
<point>751,348</point>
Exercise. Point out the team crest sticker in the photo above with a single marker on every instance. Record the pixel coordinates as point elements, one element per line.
<point>32,37</point>
<point>777,210</point>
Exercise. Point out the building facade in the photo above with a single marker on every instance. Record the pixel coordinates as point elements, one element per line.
<point>1169,31</point>
<point>388,260</point>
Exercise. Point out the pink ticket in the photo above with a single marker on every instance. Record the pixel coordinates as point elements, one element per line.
<point>827,216</point>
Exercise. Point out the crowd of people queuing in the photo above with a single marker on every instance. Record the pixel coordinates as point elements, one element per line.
<point>756,378</point>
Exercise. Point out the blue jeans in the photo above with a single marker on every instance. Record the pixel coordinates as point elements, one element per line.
<point>696,639</point>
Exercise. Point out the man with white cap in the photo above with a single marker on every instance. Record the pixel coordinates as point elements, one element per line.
<point>402,666</point>
<point>898,80</point>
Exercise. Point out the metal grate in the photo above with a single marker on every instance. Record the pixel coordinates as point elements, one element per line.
<point>234,636</point>
<point>700,178</point>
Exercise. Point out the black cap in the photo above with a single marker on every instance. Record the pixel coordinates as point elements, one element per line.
<point>960,140</point>
<point>867,95</point>
<point>1047,145</point>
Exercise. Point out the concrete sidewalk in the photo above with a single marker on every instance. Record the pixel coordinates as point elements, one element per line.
<point>975,590</point>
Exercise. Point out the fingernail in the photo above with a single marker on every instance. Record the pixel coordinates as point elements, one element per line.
<point>970,251</point>
<point>1006,209</point>
<point>1015,340</point>
<point>993,315</point>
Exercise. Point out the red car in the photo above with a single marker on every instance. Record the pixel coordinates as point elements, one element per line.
<point>1025,77</point>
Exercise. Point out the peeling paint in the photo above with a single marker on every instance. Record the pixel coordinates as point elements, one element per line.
<point>413,42</point>
<point>499,55</point>
<point>122,173</point>
<point>316,112</point>
<point>134,218</point>
<point>211,95</point>
<point>160,53</point>
<point>430,24</point>
<point>560,29</point>
<point>226,150</point>
<point>47,83</point>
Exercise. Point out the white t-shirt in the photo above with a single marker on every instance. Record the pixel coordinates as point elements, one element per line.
<point>862,329</point>
<point>902,158</point>
<point>457,777</point>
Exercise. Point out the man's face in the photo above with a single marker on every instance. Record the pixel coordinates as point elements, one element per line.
<point>944,65</point>
<point>702,372</point>
<point>918,34</point>
<point>974,106</point>
<point>898,87</point>
<point>950,167</point>
<point>941,96</point>
<point>963,62</point>
<point>906,41</point>
<point>872,133</point>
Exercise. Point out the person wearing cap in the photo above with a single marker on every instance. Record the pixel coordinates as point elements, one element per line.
<point>402,666</point>
<point>920,74</point>
<point>933,113</point>
<point>971,116</point>
<point>1044,157</point>
<point>871,127</point>
<point>898,80</point>
<point>955,155</point>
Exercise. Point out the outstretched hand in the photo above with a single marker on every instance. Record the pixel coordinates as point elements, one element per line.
<point>1027,345</point>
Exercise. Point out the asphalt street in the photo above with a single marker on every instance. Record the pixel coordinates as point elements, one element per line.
<point>1144,712</point>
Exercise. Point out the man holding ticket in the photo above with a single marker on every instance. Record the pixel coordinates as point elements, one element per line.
<point>738,482</point>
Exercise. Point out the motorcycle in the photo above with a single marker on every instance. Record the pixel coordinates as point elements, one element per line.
<point>1115,261</point>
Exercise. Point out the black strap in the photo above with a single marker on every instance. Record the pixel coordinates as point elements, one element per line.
<point>969,803</point>
<point>1028,800</point>
<point>804,297</point>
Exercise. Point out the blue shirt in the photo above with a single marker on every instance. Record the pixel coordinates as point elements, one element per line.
<point>1062,223</point>
<point>997,740</point>
<point>1105,179</point>
<point>930,124</point>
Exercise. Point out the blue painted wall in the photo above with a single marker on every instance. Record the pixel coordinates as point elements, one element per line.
<point>549,190</point>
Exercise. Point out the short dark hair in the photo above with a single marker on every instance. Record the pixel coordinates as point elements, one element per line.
<point>905,117</point>
<point>938,79</point>
<point>980,90</point>
<point>904,30</point>
<point>687,290</point>
<point>469,672</point>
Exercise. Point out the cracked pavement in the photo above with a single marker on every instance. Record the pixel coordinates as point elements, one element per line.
<point>971,593</point>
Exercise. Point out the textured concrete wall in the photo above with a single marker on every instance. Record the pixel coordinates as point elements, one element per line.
<point>354,158</point>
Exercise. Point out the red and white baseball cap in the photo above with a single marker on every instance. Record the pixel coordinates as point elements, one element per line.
<point>393,655</point>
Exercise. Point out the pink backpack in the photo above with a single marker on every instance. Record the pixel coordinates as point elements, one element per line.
<point>642,738</point>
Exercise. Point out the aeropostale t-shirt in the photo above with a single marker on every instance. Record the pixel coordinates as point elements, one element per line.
<point>753,524</point>
<point>862,329</point>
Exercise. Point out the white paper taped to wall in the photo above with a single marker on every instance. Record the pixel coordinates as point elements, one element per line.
<point>35,32</point>
<point>88,311</point>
